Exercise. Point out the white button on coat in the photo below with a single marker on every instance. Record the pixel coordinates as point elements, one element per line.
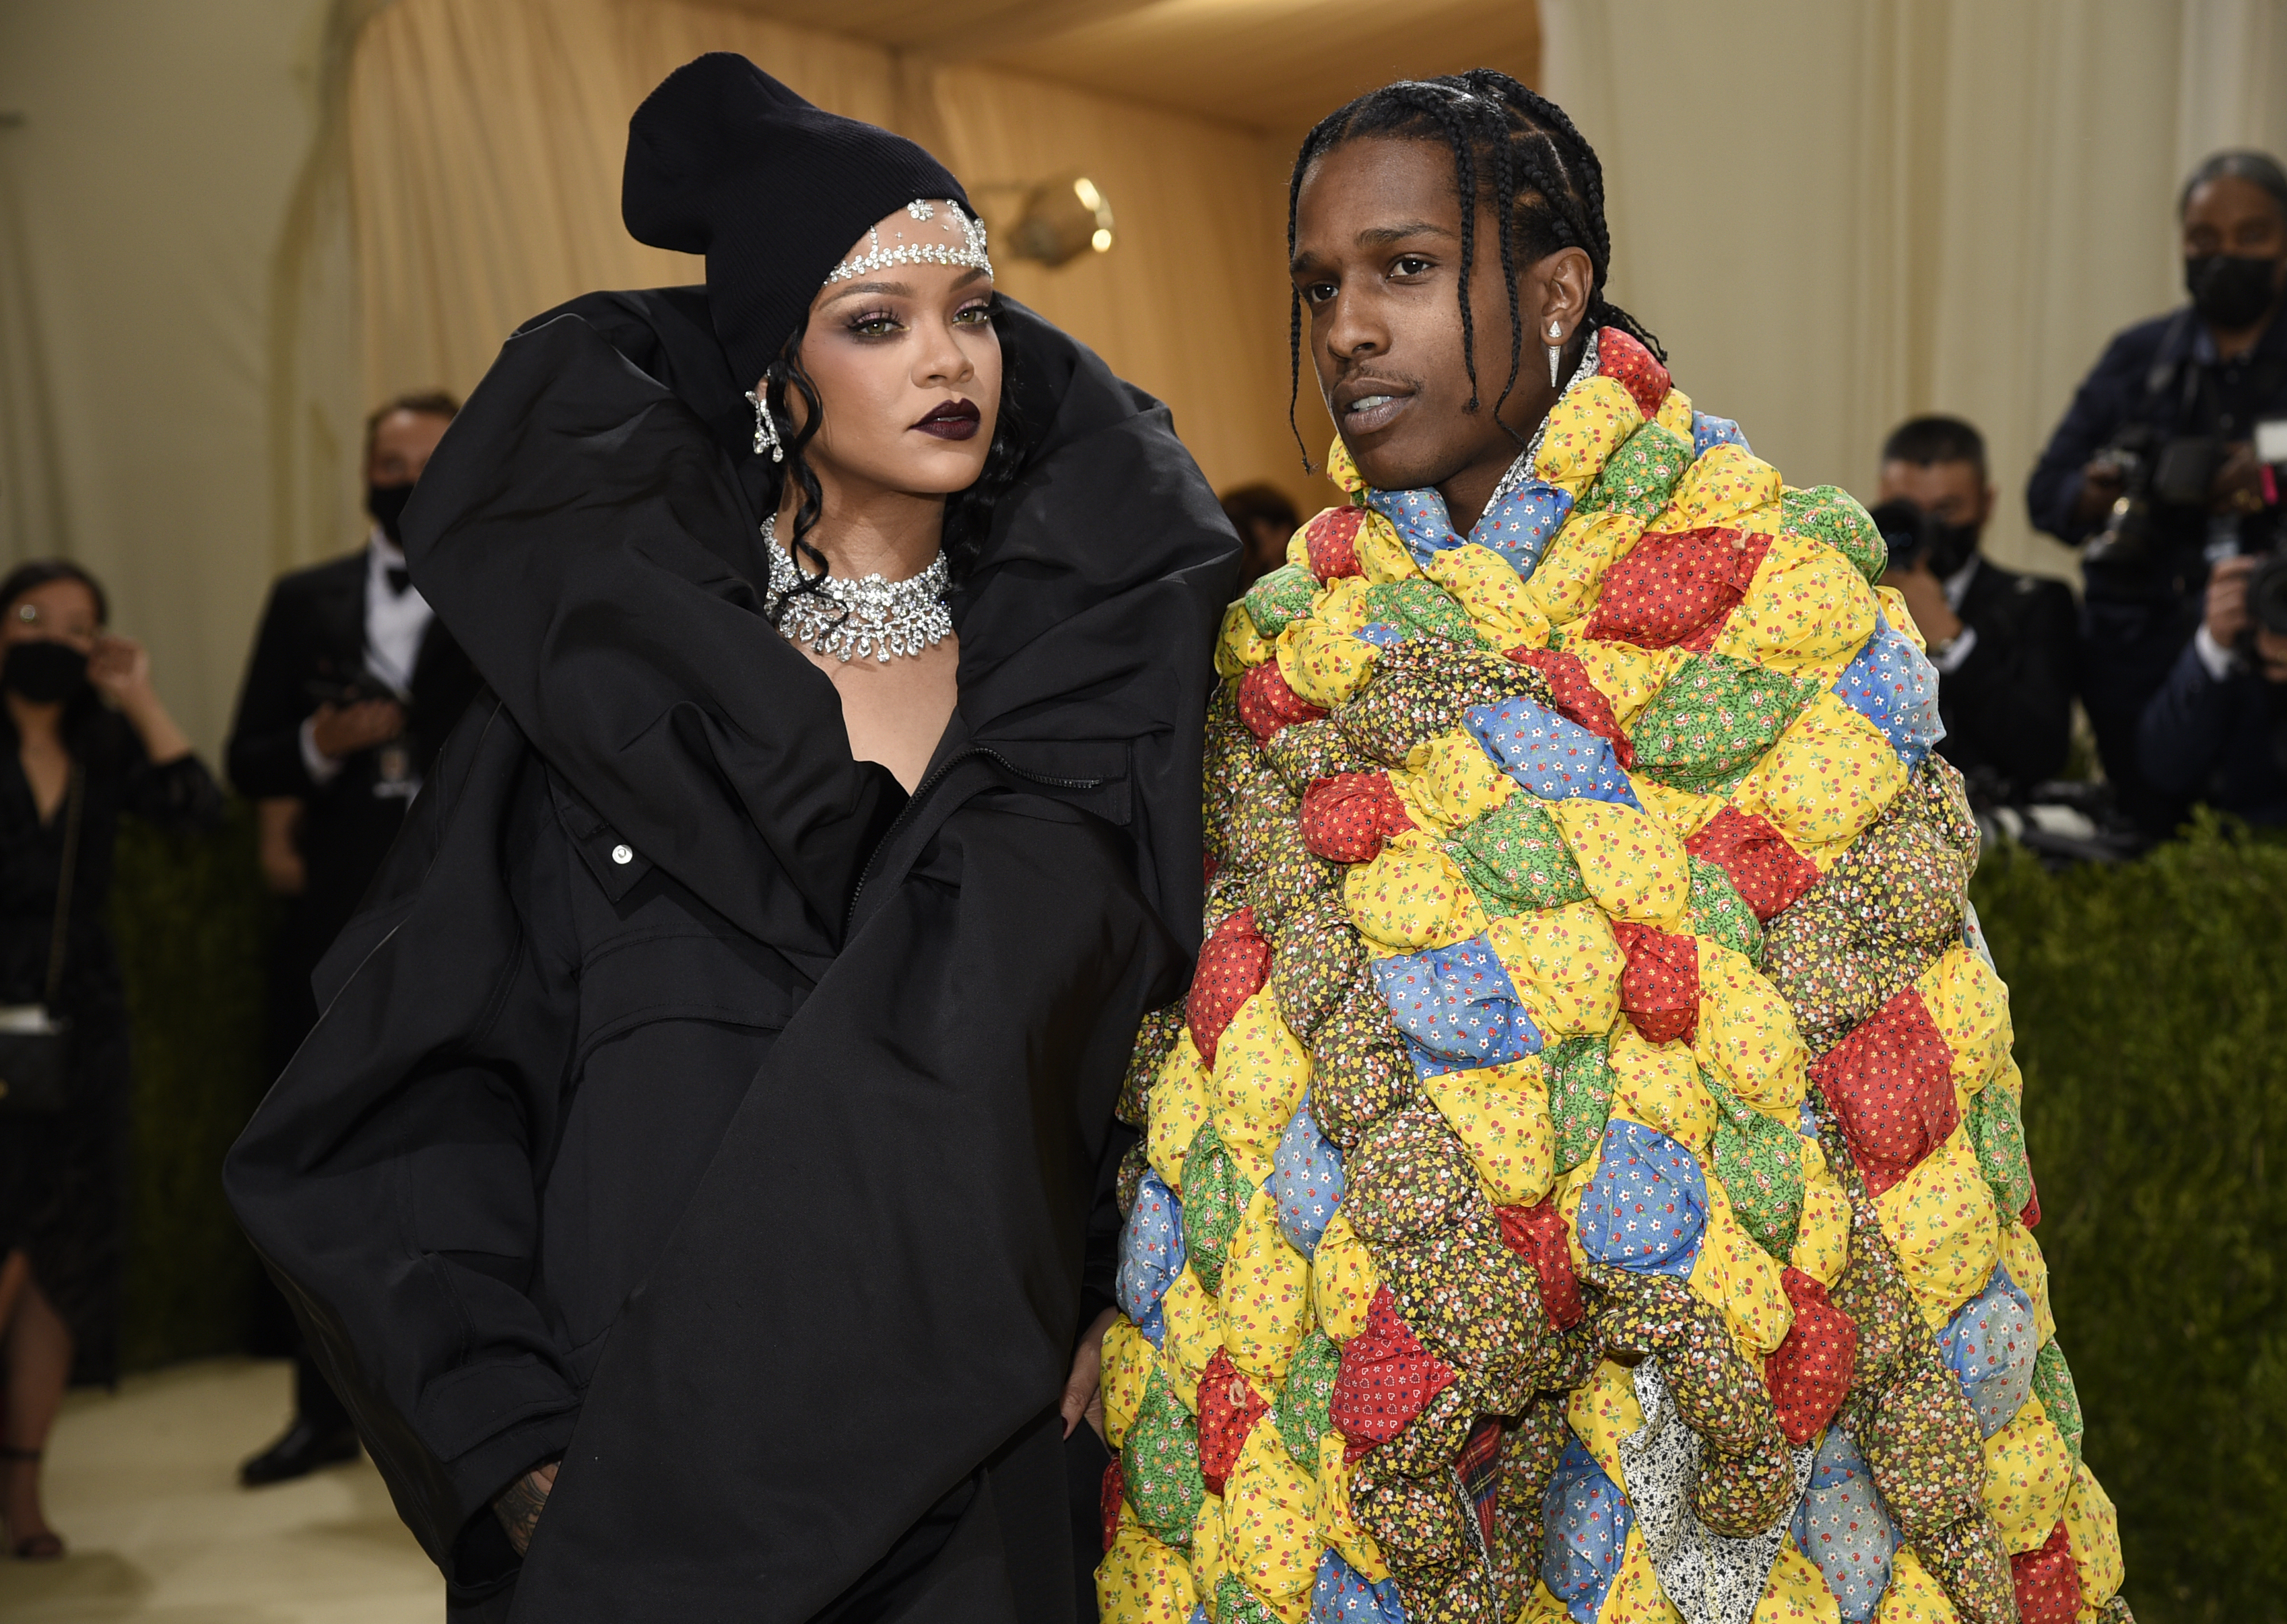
<point>623,853</point>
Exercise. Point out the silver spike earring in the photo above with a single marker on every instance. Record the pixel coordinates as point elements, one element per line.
<point>1555,353</point>
<point>766,431</point>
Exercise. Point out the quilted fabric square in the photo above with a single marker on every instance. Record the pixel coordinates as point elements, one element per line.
<point>1516,859</point>
<point>2053,1384</point>
<point>1160,1464</point>
<point>1151,1249</point>
<point>1843,1527</point>
<point>1991,1346</point>
<point>1215,1194</point>
<point>1234,963</point>
<point>1580,1076</point>
<point>1890,1083</point>
<point>1675,587</point>
<point>1759,1163</point>
<point>1228,1408</point>
<point>1810,1371</point>
<point>1331,541</point>
<point>1519,525</point>
<point>1309,1388</point>
<point>1584,1522</point>
<point>1341,1595</point>
<point>1659,989</point>
<point>1646,1208</point>
<point>1766,870</point>
<point>1456,1007</point>
<point>1622,358</point>
<point>2047,1582</point>
<point>1386,1377</point>
<point>1421,607</point>
<point>1893,685</point>
<point>1281,597</point>
<point>1306,1181</point>
<point>1347,818</point>
<point>1535,1233</point>
<point>1266,703</point>
<point>1478,1467</point>
<point>1551,755</point>
<point>1829,514</point>
<point>1709,432</point>
<point>1712,720</point>
<point>1577,695</point>
<point>1641,477</point>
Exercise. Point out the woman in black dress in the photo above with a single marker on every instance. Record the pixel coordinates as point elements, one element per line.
<point>79,706</point>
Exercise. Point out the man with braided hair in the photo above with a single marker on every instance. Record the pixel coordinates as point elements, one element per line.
<point>1584,1181</point>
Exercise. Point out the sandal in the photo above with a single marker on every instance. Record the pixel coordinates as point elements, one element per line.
<point>38,1547</point>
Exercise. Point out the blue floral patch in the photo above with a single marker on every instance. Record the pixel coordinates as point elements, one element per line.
<point>1646,1208</point>
<point>1584,1523</point>
<point>1456,1007</point>
<point>1306,1181</point>
<point>1991,1345</point>
<point>1892,685</point>
<point>1551,754</point>
<point>1842,1525</point>
<point>1151,1254</point>
<point>1518,526</point>
<point>1708,431</point>
<point>1342,1595</point>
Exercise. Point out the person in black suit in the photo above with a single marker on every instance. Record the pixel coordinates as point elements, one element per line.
<point>351,688</point>
<point>2002,643</point>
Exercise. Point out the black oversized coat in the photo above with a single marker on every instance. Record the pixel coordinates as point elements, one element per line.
<point>687,1099</point>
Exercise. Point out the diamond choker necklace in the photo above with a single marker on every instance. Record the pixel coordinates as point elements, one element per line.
<point>871,615</point>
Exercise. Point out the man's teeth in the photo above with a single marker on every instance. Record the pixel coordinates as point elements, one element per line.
<point>1366,403</point>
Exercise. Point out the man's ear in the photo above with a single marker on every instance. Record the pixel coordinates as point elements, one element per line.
<point>1985,503</point>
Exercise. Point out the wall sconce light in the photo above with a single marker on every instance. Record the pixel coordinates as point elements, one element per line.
<point>1061,220</point>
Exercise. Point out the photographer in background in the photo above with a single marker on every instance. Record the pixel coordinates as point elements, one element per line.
<point>2217,730</point>
<point>2152,473</point>
<point>2002,643</point>
<point>351,688</point>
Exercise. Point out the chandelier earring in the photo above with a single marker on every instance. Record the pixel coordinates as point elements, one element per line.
<point>766,429</point>
<point>1556,353</point>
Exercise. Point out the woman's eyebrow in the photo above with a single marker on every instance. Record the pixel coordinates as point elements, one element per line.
<point>895,290</point>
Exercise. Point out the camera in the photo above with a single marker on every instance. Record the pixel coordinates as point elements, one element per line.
<point>1914,535</point>
<point>2174,472</point>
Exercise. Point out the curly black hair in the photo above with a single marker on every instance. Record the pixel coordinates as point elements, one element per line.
<point>1513,147</point>
<point>968,514</point>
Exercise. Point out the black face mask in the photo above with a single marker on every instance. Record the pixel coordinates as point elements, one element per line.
<point>1915,536</point>
<point>43,671</point>
<point>2230,290</point>
<point>386,503</point>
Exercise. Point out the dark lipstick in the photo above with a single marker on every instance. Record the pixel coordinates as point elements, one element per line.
<point>955,420</point>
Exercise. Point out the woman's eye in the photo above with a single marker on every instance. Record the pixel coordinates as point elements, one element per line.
<point>974,315</point>
<point>874,324</point>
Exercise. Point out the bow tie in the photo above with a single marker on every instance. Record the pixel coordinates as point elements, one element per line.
<point>400,579</point>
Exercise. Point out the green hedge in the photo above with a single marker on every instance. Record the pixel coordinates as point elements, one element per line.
<point>2150,1005</point>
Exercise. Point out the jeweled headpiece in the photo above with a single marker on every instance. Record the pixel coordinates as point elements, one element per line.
<point>879,256</point>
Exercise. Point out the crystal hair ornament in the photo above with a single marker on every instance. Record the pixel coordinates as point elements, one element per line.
<point>876,257</point>
<point>871,615</point>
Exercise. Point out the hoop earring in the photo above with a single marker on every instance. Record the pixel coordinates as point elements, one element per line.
<point>1555,353</point>
<point>766,431</point>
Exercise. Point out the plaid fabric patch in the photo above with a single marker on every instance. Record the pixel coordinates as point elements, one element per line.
<point>1478,1467</point>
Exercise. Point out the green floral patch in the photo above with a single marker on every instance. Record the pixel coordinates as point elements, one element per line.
<point>1516,861</point>
<point>1580,1077</point>
<point>1641,475</point>
<point>1304,1397</point>
<point>1760,1165</point>
<point>1998,1132</point>
<point>1282,596</point>
<point>1215,1194</point>
<point>1713,720</point>
<point>1834,516</point>
<point>2053,1385</point>
<point>1160,1463</point>
<point>1235,1603</point>
<point>1421,607</point>
<point>1719,913</point>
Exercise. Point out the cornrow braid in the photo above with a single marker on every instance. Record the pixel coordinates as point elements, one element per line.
<point>1548,192</point>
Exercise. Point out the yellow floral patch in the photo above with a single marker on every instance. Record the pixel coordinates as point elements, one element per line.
<point>1582,431</point>
<point>1747,1036</point>
<point>1208,1559</point>
<point>1194,1332</point>
<point>1488,587</point>
<point>2020,1255</point>
<point>1634,869</point>
<point>1808,611</point>
<point>1343,1280</point>
<point>1822,1238</point>
<point>1261,1070</point>
<point>1971,1008</point>
<point>1127,1363</point>
<point>1270,1515</point>
<point>1239,647</point>
<point>2092,1529</point>
<point>1565,966</point>
<point>1181,1099</point>
<point>1266,1296</point>
<point>1565,581</point>
<point>1411,897</point>
<point>1893,603</point>
<point>1322,667</point>
<point>1450,780</point>
<point>1381,556</point>
<point>1675,413</point>
<point>2029,1472</point>
<point>1602,1412</point>
<point>1635,1596</point>
<point>1625,674</point>
<point>1679,811</point>
<point>1940,1218</point>
<point>1733,1272</point>
<point>1500,1113</point>
<point>1569,1188</point>
<point>1342,470</point>
<point>1338,1526</point>
<point>1142,1581</point>
<point>1828,776</point>
<point>1659,1085</point>
<point>1340,605</point>
<point>1720,488</point>
<point>1913,1596</point>
<point>1796,1592</point>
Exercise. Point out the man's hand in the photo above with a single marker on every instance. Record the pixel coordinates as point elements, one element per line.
<point>2226,607</point>
<point>1084,1388</point>
<point>1925,597</point>
<point>2101,485</point>
<point>2237,487</point>
<point>278,828</point>
<point>519,1504</point>
<point>345,730</point>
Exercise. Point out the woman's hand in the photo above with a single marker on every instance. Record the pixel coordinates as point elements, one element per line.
<point>518,1506</point>
<point>1084,1388</point>
<point>121,670</point>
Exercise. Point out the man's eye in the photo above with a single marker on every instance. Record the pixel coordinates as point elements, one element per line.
<point>1410,264</point>
<point>1318,293</point>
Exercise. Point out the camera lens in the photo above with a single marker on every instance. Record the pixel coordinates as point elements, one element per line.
<point>2267,594</point>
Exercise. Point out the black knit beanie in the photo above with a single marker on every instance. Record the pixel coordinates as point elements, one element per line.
<point>724,161</point>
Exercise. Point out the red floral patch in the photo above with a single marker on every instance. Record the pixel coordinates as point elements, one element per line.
<point>1346,817</point>
<point>1385,1378</point>
<point>2030,1218</point>
<point>1228,1408</point>
<point>1114,1490</point>
<point>1659,989</point>
<point>1234,963</point>
<point>1622,359</point>
<point>1332,541</point>
<point>1537,1234</point>
<point>1677,588</point>
<point>1769,873</point>
<point>1810,1372</point>
<point>1890,1084</point>
<point>2047,1580</point>
<point>1266,703</point>
<point>1577,695</point>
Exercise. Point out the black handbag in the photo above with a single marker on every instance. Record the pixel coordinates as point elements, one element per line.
<point>35,1042</point>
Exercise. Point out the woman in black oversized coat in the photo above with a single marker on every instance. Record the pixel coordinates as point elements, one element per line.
<point>694,1105</point>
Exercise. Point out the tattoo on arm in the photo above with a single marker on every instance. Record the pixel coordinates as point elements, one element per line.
<point>518,1507</point>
